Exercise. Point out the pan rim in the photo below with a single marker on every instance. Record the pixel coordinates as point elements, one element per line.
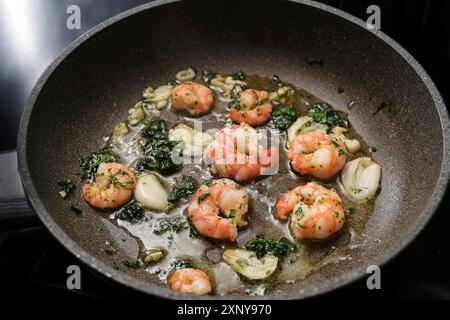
<point>149,288</point>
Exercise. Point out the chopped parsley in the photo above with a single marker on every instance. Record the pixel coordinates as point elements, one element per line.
<point>181,264</point>
<point>238,76</point>
<point>357,190</point>
<point>182,190</point>
<point>75,209</point>
<point>192,230</point>
<point>283,117</point>
<point>66,187</point>
<point>89,165</point>
<point>163,225</point>
<point>159,149</point>
<point>350,211</point>
<point>323,113</point>
<point>263,246</point>
<point>208,75</point>
<point>131,212</point>
<point>203,197</point>
<point>207,183</point>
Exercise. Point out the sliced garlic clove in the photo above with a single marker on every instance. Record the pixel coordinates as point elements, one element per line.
<point>185,75</point>
<point>302,125</point>
<point>352,145</point>
<point>151,193</point>
<point>247,264</point>
<point>120,129</point>
<point>135,115</point>
<point>159,94</point>
<point>360,179</point>
<point>194,142</point>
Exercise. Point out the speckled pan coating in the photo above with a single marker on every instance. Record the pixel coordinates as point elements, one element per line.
<point>97,78</point>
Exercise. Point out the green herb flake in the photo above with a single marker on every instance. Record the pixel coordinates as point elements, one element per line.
<point>159,149</point>
<point>323,113</point>
<point>181,264</point>
<point>182,190</point>
<point>238,76</point>
<point>66,187</point>
<point>350,211</point>
<point>208,75</point>
<point>207,183</point>
<point>263,246</point>
<point>203,197</point>
<point>314,61</point>
<point>164,225</point>
<point>89,165</point>
<point>75,209</point>
<point>283,117</point>
<point>131,212</point>
<point>192,230</point>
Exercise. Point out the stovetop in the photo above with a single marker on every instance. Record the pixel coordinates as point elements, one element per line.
<point>33,263</point>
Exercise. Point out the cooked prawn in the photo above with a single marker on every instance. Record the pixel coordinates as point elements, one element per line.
<point>316,212</point>
<point>189,280</point>
<point>252,107</point>
<point>192,97</point>
<point>223,196</point>
<point>236,153</point>
<point>317,154</point>
<point>113,186</point>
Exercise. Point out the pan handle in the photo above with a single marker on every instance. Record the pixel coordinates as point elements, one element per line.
<point>15,212</point>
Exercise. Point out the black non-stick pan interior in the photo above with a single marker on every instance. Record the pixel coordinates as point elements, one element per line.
<point>93,83</point>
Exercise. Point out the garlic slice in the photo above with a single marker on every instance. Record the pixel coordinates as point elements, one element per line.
<point>194,142</point>
<point>247,264</point>
<point>351,145</point>
<point>186,75</point>
<point>302,125</point>
<point>159,94</point>
<point>360,179</point>
<point>150,192</point>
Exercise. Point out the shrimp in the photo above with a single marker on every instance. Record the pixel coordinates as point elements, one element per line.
<point>317,154</point>
<point>316,212</point>
<point>222,196</point>
<point>192,97</point>
<point>189,280</point>
<point>252,107</point>
<point>113,186</point>
<point>236,153</point>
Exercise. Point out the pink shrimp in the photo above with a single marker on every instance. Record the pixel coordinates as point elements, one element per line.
<point>113,186</point>
<point>317,154</point>
<point>189,280</point>
<point>236,153</point>
<point>222,196</point>
<point>253,107</point>
<point>192,97</point>
<point>316,212</point>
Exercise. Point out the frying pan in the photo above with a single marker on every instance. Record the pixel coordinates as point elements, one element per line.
<point>90,86</point>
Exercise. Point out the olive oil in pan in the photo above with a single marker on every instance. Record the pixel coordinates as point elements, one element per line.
<point>264,192</point>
